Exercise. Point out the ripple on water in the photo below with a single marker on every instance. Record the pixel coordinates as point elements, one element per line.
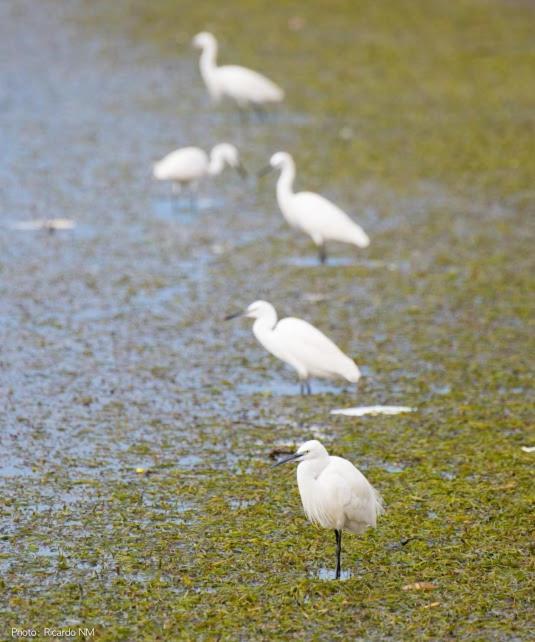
<point>328,574</point>
<point>285,388</point>
<point>393,468</point>
<point>64,229</point>
<point>181,210</point>
<point>237,504</point>
<point>189,461</point>
<point>13,466</point>
<point>313,261</point>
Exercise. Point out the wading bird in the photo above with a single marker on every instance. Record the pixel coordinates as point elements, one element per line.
<point>185,167</point>
<point>311,213</point>
<point>244,86</point>
<point>300,345</point>
<point>334,493</point>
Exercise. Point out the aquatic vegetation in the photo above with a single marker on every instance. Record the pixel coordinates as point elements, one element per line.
<point>137,493</point>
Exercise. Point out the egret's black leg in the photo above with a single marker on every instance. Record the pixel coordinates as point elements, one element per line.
<point>338,535</point>
<point>193,200</point>
<point>308,388</point>
<point>260,113</point>
<point>301,387</point>
<point>175,197</point>
<point>322,254</point>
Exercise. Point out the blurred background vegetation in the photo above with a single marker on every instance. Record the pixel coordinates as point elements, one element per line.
<point>417,89</point>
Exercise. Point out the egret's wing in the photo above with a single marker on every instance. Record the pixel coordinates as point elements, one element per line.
<point>246,84</point>
<point>318,215</point>
<point>183,164</point>
<point>361,502</point>
<point>311,347</point>
<point>302,332</point>
<point>302,336</point>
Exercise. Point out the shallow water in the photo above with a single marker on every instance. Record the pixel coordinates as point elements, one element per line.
<point>329,574</point>
<point>115,356</point>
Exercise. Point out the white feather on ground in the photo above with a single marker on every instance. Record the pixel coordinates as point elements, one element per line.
<point>361,411</point>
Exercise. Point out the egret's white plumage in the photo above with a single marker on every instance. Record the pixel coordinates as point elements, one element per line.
<point>186,166</point>
<point>334,493</point>
<point>311,213</point>
<point>300,345</point>
<point>244,86</point>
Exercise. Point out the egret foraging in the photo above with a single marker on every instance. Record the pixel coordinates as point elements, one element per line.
<point>334,493</point>
<point>300,345</point>
<point>313,214</point>
<point>186,166</point>
<point>244,86</point>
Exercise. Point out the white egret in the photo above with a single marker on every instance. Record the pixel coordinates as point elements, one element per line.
<point>300,345</point>
<point>334,493</point>
<point>242,85</point>
<point>188,165</point>
<point>311,213</point>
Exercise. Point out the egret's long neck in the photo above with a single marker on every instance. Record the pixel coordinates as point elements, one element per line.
<point>216,164</point>
<point>285,183</point>
<point>311,491</point>
<point>264,325</point>
<point>309,470</point>
<point>208,62</point>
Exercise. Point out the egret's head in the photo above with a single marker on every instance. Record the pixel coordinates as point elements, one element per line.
<point>257,310</point>
<point>308,451</point>
<point>203,40</point>
<point>279,160</point>
<point>226,154</point>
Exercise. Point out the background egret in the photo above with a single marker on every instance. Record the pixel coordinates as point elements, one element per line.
<point>186,166</point>
<point>313,214</point>
<point>334,493</point>
<point>300,345</point>
<point>244,86</point>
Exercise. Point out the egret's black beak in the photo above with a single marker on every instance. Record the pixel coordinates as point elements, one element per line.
<point>287,459</point>
<point>233,316</point>
<point>265,170</point>
<point>241,170</point>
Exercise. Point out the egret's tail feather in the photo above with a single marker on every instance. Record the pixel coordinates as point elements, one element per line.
<point>360,238</point>
<point>278,95</point>
<point>351,371</point>
<point>379,503</point>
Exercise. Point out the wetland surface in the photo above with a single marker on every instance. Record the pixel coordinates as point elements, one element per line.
<point>136,426</point>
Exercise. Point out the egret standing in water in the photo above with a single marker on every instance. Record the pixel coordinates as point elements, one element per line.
<point>334,493</point>
<point>244,86</point>
<point>185,167</point>
<point>311,213</point>
<point>300,345</point>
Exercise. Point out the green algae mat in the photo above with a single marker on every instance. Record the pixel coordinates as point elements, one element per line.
<point>138,502</point>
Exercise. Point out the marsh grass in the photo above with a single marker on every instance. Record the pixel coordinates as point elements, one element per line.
<point>420,115</point>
